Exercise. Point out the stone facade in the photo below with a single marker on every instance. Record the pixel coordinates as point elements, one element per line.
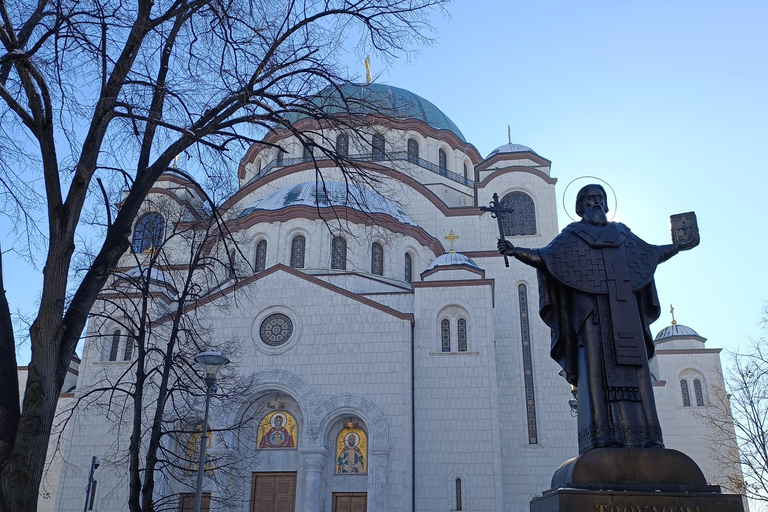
<point>448,376</point>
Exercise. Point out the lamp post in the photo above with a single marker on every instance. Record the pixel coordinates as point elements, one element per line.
<point>89,488</point>
<point>211,361</point>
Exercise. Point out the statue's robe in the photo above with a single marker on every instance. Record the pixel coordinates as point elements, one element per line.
<point>598,296</point>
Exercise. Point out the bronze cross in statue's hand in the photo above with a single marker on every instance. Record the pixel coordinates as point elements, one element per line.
<point>496,211</point>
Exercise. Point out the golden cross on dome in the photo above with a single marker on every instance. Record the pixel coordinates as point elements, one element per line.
<point>368,78</point>
<point>672,311</point>
<point>176,162</point>
<point>451,237</point>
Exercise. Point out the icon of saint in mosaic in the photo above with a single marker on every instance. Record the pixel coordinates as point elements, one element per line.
<point>277,430</point>
<point>351,452</point>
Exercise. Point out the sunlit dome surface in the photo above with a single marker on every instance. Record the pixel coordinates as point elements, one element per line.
<point>329,194</point>
<point>450,259</point>
<point>676,330</point>
<point>380,99</point>
<point>511,148</point>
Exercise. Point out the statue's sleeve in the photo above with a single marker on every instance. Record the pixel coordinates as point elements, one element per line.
<point>530,257</point>
<point>667,251</point>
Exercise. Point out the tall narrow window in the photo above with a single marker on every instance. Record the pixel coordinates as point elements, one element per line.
<point>458,494</point>
<point>445,335</point>
<point>413,150</point>
<point>523,220</point>
<point>466,171</point>
<point>128,349</point>
<point>408,268</point>
<point>261,257</point>
<point>148,233</point>
<point>684,391</point>
<point>279,159</point>
<point>377,147</point>
<point>525,335</point>
<point>377,259</point>
<point>342,145</point>
<point>442,160</point>
<point>306,154</point>
<point>462,334</point>
<point>115,345</point>
<point>697,392</point>
<point>298,245</point>
<point>339,253</point>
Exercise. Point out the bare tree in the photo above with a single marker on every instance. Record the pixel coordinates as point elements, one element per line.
<point>739,417</point>
<point>114,90</point>
<point>149,316</point>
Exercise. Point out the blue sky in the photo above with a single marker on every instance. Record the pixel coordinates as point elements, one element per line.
<point>666,101</point>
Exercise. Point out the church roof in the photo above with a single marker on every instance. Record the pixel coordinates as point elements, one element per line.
<point>329,194</point>
<point>511,148</point>
<point>676,331</point>
<point>451,259</point>
<point>380,99</point>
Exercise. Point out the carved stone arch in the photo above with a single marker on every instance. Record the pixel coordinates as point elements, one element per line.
<point>290,384</point>
<point>342,405</point>
<point>338,406</point>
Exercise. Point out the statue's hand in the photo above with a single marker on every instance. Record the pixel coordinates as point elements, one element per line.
<point>505,247</point>
<point>688,245</point>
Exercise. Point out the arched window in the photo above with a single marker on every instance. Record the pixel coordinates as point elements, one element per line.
<point>339,253</point>
<point>261,257</point>
<point>148,232</point>
<point>466,171</point>
<point>115,345</point>
<point>458,494</point>
<point>279,159</point>
<point>377,259</point>
<point>442,160</point>
<point>298,245</point>
<point>128,349</point>
<point>445,335</point>
<point>523,220</point>
<point>684,391</point>
<point>408,268</point>
<point>342,145</point>
<point>698,393</point>
<point>462,334</point>
<point>377,147</point>
<point>413,150</point>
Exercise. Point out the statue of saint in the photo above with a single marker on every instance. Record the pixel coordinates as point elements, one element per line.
<point>596,293</point>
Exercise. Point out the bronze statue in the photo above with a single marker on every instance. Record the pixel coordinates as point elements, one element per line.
<point>596,293</point>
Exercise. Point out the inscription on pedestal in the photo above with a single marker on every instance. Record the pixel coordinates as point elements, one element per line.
<point>573,500</point>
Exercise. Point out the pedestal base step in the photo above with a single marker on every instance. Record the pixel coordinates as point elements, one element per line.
<point>577,500</point>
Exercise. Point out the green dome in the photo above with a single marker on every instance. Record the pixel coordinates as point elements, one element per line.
<point>379,99</point>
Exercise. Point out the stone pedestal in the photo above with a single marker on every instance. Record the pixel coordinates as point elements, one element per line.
<point>576,500</point>
<point>633,480</point>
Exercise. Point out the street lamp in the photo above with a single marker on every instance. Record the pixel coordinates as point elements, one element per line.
<point>89,490</point>
<point>211,361</point>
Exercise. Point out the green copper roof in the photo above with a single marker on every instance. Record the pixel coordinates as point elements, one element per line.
<point>385,100</point>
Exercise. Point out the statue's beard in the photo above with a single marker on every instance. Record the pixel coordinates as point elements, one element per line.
<point>595,215</point>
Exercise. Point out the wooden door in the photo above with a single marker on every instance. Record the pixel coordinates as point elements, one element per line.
<point>349,501</point>
<point>273,492</point>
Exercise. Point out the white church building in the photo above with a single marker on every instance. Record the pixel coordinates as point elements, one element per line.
<point>396,364</point>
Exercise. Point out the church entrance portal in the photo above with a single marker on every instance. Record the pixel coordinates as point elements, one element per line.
<point>273,492</point>
<point>349,501</point>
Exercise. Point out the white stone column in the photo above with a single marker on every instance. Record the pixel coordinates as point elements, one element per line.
<point>314,461</point>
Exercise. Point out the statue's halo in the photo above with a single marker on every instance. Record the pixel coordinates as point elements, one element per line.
<point>587,180</point>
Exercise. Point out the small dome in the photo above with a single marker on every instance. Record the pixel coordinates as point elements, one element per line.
<point>336,194</point>
<point>511,148</point>
<point>676,331</point>
<point>382,100</point>
<point>452,259</point>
